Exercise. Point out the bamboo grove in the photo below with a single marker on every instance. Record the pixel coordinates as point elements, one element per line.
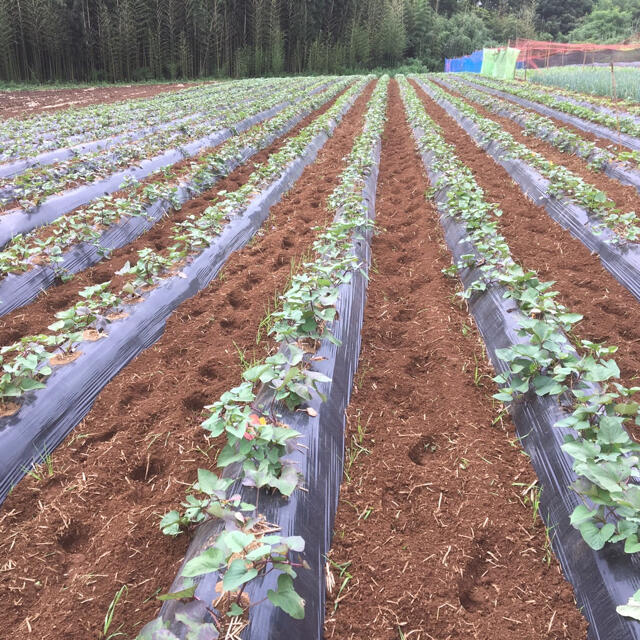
<point>133,40</point>
<point>111,40</point>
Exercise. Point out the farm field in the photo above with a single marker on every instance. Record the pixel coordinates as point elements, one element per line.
<point>31,100</point>
<point>321,357</point>
<point>595,80</point>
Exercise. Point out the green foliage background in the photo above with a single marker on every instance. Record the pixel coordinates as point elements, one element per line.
<point>125,40</point>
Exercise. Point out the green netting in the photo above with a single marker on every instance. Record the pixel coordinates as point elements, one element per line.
<point>488,62</point>
<point>499,63</point>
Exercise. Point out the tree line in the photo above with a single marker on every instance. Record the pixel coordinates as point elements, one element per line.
<point>129,40</point>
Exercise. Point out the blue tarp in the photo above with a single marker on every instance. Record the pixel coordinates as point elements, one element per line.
<point>471,63</point>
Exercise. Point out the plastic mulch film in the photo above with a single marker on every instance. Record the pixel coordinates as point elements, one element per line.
<point>48,415</point>
<point>17,290</point>
<point>623,173</point>
<point>622,261</point>
<point>11,224</point>
<point>309,513</point>
<point>11,169</point>
<point>579,123</point>
<point>15,167</point>
<point>601,579</point>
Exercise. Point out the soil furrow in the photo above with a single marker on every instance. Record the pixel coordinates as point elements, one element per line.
<point>435,534</point>
<point>539,243</point>
<point>626,197</point>
<point>35,317</point>
<point>74,538</point>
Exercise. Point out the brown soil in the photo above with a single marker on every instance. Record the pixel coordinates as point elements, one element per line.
<point>37,316</point>
<point>539,243</point>
<point>435,523</point>
<point>69,542</point>
<point>603,143</point>
<point>23,104</point>
<point>626,197</point>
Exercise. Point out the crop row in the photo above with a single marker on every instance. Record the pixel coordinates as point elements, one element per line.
<point>24,138</point>
<point>123,319</point>
<point>563,183</point>
<point>48,249</point>
<point>564,139</point>
<point>254,417</point>
<point>545,358</point>
<point>30,188</point>
<point>13,223</point>
<point>189,238</point>
<point>617,122</point>
<point>205,108</point>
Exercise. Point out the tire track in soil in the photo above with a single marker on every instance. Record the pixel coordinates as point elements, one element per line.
<point>448,548</point>
<point>37,316</point>
<point>538,242</point>
<point>93,526</point>
<point>625,196</point>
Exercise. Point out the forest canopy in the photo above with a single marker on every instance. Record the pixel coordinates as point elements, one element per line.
<point>114,40</point>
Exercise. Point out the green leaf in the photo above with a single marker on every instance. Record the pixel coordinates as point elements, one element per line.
<point>582,514</point>
<point>208,482</point>
<point>170,523</point>
<point>237,574</point>
<point>56,326</point>
<point>604,371</point>
<point>545,385</point>
<point>596,537</point>
<point>286,597</point>
<point>29,385</point>
<point>627,408</point>
<point>228,455</point>
<point>235,610</point>
<point>254,373</point>
<point>632,608</point>
<point>611,431</point>
<point>207,562</point>
<point>179,595</point>
<point>631,544</point>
